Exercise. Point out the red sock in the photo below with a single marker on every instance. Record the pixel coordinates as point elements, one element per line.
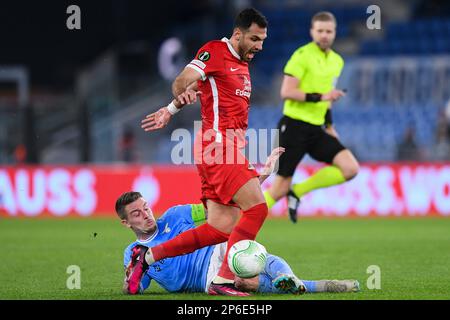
<point>247,228</point>
<point>189,241</point>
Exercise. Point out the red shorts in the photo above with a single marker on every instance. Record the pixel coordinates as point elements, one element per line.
<point>223,170</point>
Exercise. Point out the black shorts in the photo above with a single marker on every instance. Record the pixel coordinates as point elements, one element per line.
<point>298,138</point>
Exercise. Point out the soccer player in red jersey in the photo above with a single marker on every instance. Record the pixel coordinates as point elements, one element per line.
<point>219,75</point>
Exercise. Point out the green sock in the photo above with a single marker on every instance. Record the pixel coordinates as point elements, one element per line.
<point>270,201</point>
<point>325,177</point>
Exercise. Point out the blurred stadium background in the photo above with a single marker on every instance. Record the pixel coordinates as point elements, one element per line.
<point>71,102</point>
<point>70,99</point>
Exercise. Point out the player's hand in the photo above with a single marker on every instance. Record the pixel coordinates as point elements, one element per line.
<point>125,285</point>
<point>272,160</point>
<point>189,96</point>
<point>332,132</point>
<point>125,280</point>
<point>247,285</point>
<point>156,120</point>
<point>333,95</point>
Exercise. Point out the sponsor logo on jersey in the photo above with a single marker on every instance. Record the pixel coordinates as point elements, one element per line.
<point>246,92</point>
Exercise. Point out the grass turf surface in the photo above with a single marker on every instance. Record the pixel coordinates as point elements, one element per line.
<point>413,255</point>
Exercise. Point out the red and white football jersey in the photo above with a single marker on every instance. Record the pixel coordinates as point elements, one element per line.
<point>225,85</point>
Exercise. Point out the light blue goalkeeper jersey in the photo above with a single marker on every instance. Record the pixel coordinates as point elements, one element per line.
<point>186,273</point>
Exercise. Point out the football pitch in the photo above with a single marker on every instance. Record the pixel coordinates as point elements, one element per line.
<point>413,256</point>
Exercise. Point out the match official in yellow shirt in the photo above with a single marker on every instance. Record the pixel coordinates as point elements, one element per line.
<point>308,91</point>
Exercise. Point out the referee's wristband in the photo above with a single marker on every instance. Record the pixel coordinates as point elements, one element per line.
<point>172,109</point>
<point>313,97</point>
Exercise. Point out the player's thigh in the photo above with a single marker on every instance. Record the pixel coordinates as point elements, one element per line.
<point>325,147</point>
<point>222,217</point>
<point>249,195</point>
<point>289,160</point>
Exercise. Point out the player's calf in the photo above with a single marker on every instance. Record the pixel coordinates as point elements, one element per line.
<point>347,163</point>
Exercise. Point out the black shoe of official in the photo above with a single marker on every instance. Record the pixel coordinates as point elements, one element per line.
<point>293,203</point>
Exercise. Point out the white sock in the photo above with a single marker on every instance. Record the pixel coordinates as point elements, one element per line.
<point>220,280</point>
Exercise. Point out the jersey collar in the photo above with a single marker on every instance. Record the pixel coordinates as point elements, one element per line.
<point>230,47</point>
<point>149,238</point>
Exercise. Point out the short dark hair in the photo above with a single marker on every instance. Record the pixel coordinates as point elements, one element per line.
<point>124,200</point>
<point>246,17</point>
<point>323,16</point>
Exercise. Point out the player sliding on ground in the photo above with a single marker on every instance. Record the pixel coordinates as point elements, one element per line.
<point>194,272</point>
<point>308,91</point>
<point>219,75</point>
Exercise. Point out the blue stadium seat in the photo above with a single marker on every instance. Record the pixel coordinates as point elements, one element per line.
<point>374,132</point>
<point>418,37</point>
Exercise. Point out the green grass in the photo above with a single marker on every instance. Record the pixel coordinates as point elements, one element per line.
<point>413,254</point>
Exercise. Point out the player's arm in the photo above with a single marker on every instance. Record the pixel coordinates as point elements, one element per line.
<point>290,90</point>
<point>125,285</point>
<point>184,87</point>
<point>198,213</point>
<point>185,91</point>
<point>270,163</point>
<point>161,118</point>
